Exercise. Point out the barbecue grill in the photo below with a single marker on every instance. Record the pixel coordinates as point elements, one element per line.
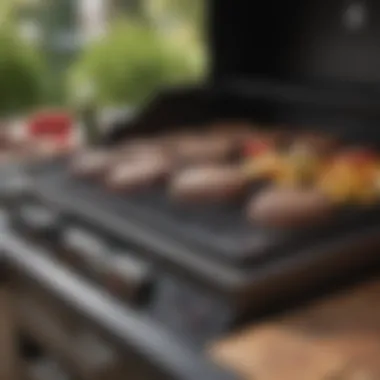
<point>200,272</point>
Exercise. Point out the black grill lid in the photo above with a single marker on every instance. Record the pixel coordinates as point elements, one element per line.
<point>313,63</point>
<point>333,41</point>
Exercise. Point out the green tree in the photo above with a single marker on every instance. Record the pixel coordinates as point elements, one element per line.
<point>21,74</point>
<point>190,13</point>
<point>128,65</point>
<point>54,20</point>
<point>183,22</point>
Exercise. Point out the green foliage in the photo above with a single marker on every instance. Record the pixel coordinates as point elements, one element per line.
<point>21,73</point>
<point>186,11</point>
<point>130,63</point>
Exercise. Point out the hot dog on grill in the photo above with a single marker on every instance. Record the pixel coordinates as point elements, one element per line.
<point>211,183</point>
<point>96,162</point>
<point>139,172</point>
<point>289,208</point>
<point>204,149</point>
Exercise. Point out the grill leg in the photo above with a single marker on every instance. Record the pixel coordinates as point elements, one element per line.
<point>8,340</point>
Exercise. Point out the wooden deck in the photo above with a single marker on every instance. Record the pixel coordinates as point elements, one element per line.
<point>334,339</point>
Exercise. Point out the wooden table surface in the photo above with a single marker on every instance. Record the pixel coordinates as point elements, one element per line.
<point>337,338</point>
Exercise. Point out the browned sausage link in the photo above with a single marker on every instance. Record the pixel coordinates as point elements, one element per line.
<point>138,172</point>
<point>205,149</point>
<point>208,183</point>
<point>288,208</point>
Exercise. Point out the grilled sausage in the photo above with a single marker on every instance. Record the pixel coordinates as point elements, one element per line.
<point>205,149</point>
<point>289,208</point>
<point>139,172</point>
<point>208,183</point>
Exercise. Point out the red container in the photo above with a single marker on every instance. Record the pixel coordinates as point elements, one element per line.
<point>54,126</point>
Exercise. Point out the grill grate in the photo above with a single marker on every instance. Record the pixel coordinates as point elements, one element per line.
<point>221,231</point>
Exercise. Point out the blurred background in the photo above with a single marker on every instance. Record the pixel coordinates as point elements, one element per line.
<point>112,54</point>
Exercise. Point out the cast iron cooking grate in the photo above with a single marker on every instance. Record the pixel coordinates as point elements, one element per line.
<point>220,231</point>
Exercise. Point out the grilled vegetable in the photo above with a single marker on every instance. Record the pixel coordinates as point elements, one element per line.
<point>301,166</point>
<point>298,165</point>
<point>263,161</point>
<point>351,177</point>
